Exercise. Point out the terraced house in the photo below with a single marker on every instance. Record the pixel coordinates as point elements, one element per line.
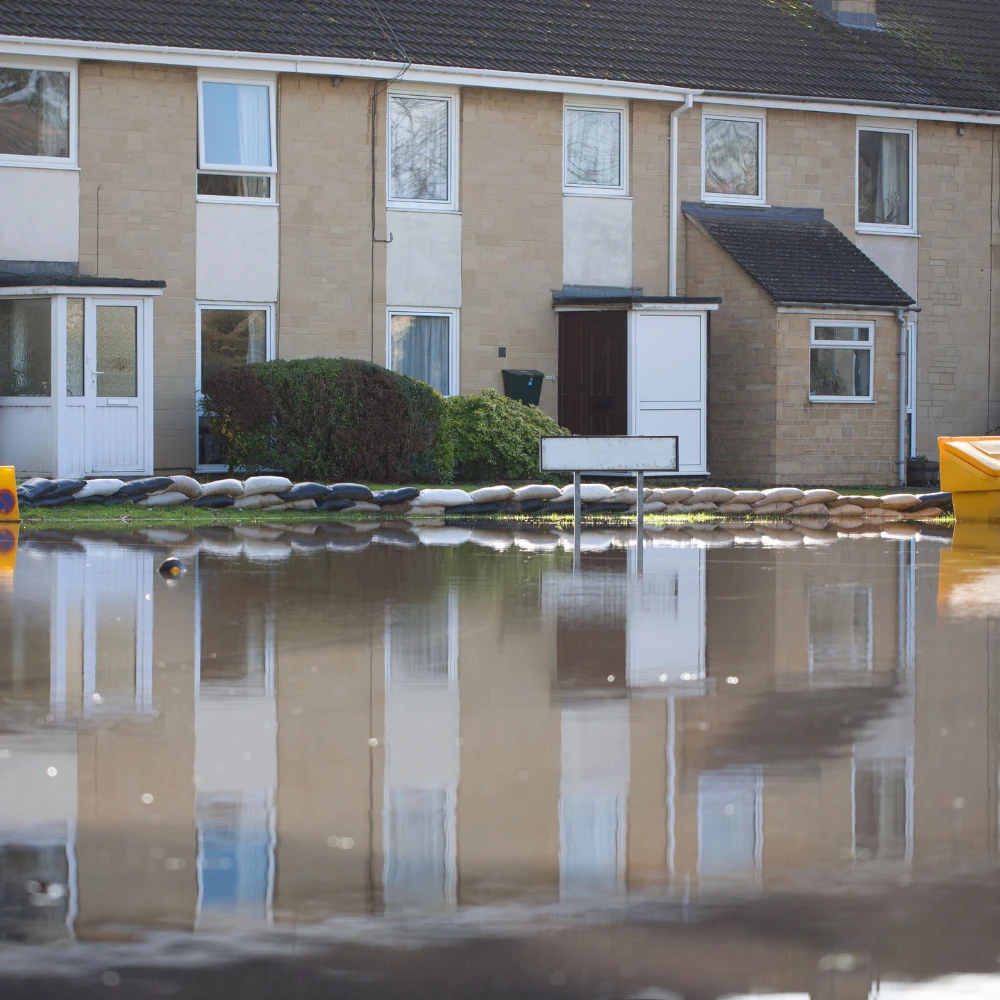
<point>765,226</point>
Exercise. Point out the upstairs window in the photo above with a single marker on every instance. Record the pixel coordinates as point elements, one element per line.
<point>237,140</point>
<point>35,114</point>
<point>733,160</point>
<point>885,180</point>
<point>594,150</point>
<point>422,152</point>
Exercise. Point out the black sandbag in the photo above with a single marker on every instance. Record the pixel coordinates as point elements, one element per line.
<point>152,484</point>
<point>63,488</point>
<point>485,507</point>
<point>607,507</point>
<point>89,500</point>
<point>942,500</point>
<point>306,491</point>
<point>521,506</point>
<point>131,498</point>
<point>334,503</point>
<point>558,507</point>
<point>35,488</point>
<point>403,495</point>
<point>53,501</point>
<point>213,501</point>
<point>351,491</point>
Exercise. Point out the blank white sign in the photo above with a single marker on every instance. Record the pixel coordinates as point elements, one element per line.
<point>609,454</point>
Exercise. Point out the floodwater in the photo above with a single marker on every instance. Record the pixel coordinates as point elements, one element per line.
<point>380,761</point>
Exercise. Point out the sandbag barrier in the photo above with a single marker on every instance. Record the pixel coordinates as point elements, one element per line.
<point>277,493</point>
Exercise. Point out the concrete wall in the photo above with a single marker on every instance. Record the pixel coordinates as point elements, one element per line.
<point>138,155</point>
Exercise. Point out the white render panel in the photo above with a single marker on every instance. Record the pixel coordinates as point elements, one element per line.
<point>26,439</point>
<point>237,249</point>
<point>597,241</point>
<point>424,260</point>
<point>39,214</point>
<point>896,255</point>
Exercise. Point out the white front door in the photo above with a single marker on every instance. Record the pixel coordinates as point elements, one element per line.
<point>114,387</point>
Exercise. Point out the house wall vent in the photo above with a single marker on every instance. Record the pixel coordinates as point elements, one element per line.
<point>850,13</point>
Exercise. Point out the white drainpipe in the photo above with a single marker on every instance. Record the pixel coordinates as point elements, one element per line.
<point>674,200</point>
<point>904,368</point>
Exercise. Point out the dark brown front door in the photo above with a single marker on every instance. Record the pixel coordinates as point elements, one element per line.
<point>593,381</point>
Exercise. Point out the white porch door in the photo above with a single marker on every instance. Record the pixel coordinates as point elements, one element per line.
<point>113,386</point>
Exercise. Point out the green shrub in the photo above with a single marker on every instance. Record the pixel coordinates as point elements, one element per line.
<point>330,419</point>
<point>496,438</point>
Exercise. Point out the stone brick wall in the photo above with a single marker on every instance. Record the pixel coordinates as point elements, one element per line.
<point>650,189</point>
<point>138,156</point>
<point>325,305</point>
<point>835,444</point>
<point>510,196</point>
<point>741,368</point>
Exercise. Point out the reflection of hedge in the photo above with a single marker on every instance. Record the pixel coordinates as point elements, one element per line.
<point>496,438</point>
<point>328,419</point>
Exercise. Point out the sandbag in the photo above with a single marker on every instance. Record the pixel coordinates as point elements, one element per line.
<point>609,507</point>
<point>89,501</point>
<point>351,491</point>
<point>589,492</point>
<point>536,491</point>
<point>775,507</point>
<point>492,494</point>
<point>520,506</point>
<point>309,504</point>
<point>483,507</point>
<point>403,495</point>
<point>364,506</point>
<point>191,488</point>
<point>334,503</point>
<point>260,485</point>
<point>817,496</point>
<point>674,508</point>
<point>735,507</point>
<point>916,515</point>
<point>442,498</point>
<point>169,499</point>
<point>35,488</point>
<point>430,510</point>
<point>559,506</point>
<point>781,494</point>
<point>50,501</point>
<point>222,488</point>
<point>711,494</point>
<point>98,489</point>
<point>810,510</point>
<point>396,508</point>
<point>629,494</point>
<point>257,501</point>
<point>131,498</point>
<point>942,500</point>
<point>673,494</point>
<point>306,491</point>
<point>219,500</point>
<point>900,501</point>
<point>149,486</point>
<point>855,501</point>
<point>747,496</point>
<point>846,510</point>
<point>64,488</point>
<point>700,508</point>
<point>653,507</point>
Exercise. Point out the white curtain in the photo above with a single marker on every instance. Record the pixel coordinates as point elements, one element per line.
<point>421,349</point>
<point>255,126</point>
<point>256,336</point>
<point>894,179</point>
<point>593,148</point>
<point>732,157</point>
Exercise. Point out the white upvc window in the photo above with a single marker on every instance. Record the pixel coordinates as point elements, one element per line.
<point>733,159</point>
<point>595,149</point>
<point>841,362</point>
<point>229,335</point>
<point>422,141</point>
<point>38,113</point>
<point>237,139</point>
<point>423,343</point>
<point>886,180</point>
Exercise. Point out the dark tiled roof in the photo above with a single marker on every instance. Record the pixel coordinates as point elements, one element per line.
<point>931,52</point>
<point>795,255</point>
<point>10,279</point>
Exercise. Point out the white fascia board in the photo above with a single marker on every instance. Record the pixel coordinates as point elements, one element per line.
<point>372,69</point>
<point>79,291</point>
<point>969,116</point>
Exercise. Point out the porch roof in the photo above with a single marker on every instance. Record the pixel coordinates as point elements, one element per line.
<point>797,256</point>
<point>11,279</point>
<point>599,295</point>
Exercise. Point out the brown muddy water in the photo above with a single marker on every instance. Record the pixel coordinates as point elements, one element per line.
<point>379,761</point>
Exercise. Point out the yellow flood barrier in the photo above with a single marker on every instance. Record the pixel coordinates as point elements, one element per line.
<point>8,494</point>
<point>970,471</point>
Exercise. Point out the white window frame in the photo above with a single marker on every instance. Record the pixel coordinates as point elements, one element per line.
<point>204,167</point>
<point>844,345</point>
<point>885,228</point>
<point>70,162</point>
<point>420,205</point>
<point>453,337</point>
<point>818,674</point>
<point>269,341</point>
<point>712,197</point>
<point>599,190</point>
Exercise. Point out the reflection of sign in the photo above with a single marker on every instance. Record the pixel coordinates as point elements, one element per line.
<point>8,494</point>
<point>8,551</point>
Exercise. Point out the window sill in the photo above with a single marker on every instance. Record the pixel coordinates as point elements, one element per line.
<point>218,199</point>
<point>867,230</point>
<point>734,201</point>
<point>594,193</point>
<point>850,400</point>
<point>422,206</point>
<point>31,164</point>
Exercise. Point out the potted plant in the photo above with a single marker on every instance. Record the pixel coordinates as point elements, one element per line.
<point>922,471</point>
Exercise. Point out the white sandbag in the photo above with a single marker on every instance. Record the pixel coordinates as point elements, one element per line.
<point>782,494</point>
<point>169,499</point>
<point>817,496</point>
<point>589,492</point>
<point>265,484</point>
<point>747,496</point>
<point>653,507</point>
<point>673,494</point>
<point>673,508</point>
<point>101,488</point>
<point>629,494</point>
<point>925,513</point>
<point>257,501</point>
<point>191,488</point>
<point>430,510</point>
<point>711,494</point>
<point>700,508</point>
<point>492,494</point>
<point>442,498</point>
<point>775,507</point>
<point>735,507</point>
<point>298,505</point>
<point>222,488</point>
<point>536,491</point>
<point>895,501</point>
<point>845,510</point>
<point>855,501</point>
<point>810,510</point>
<point>364,506</point>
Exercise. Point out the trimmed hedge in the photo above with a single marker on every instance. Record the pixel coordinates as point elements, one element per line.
<point>496,438</point>
<point>329,419</point>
